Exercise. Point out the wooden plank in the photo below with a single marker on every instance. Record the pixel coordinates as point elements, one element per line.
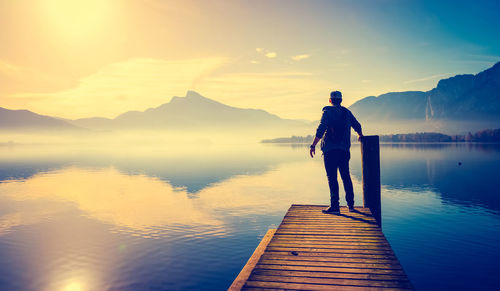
<point>330,269</point>
<point>365,265</point>
<point>331,237</point>
<point>330,246</point>
<point>328,275</point>
<point>334,244</point>
<point>325,250</point>
<point>336,231</point>
<point>330,224</point>
<point>327,243</point>
<point>334,255</point>
<point>305,286</point>
<point>271,256</point>
<point>252,262</point>
<point>327,237</point>
<point>326,233</point>
<point>327,217</point>
<point>318,213</point>
<point>336,241</point>
<point>315,251</point>
<point>339,221</point>
<point>332,281</point>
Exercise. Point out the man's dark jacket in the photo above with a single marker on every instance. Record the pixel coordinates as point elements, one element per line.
<point>335,128</point>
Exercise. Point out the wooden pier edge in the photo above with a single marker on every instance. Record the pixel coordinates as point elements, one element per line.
<point>243,276</point>
<point>312,250</point>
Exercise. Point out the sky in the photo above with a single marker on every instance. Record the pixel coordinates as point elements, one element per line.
<point>87,58</point>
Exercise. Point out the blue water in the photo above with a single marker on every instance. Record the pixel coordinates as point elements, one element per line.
<point>188,217</point>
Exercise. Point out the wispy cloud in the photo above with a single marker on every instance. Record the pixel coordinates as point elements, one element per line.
<point>429,78</point>
<point>271,55</point>
<point>267,53</point>
<point>7,68</point>
<point>300,57</point>
<point>135,84</point>
<point>290,94</point>
<point>15,78</point>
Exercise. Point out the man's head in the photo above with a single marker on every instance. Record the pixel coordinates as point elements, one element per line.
<point>336,97</point>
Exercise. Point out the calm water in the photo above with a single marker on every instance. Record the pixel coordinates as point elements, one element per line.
<point>189,217</point>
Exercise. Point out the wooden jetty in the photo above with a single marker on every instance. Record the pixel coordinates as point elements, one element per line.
<point>311,250</point>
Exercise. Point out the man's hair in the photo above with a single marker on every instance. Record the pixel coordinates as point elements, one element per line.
<point>336,97</point>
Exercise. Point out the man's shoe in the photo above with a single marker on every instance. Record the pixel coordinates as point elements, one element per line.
<point>332,210</point>
<point>351,209</point>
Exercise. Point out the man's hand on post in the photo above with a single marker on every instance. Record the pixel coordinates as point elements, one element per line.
<point>360,136</point>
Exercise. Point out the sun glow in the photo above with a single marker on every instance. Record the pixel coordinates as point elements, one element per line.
<point>73,286</point>
<point>77,20</point>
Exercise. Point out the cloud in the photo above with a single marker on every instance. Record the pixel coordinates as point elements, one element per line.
<point>267,53</point>
<point>271,55</point>
<point>15,78</point>
<point>138,84</point>
<point>7,68</point>
<point>135,84</point>
<point>300,57</point>
<point>289,94</point>
<point>433,77</point>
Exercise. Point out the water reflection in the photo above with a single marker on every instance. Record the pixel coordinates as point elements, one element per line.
<point>192,167</point>
<point>146,204</point>
<point>106,228</point>
<point>154,218</point>
<point>134,201</point>
<point>460,173</point>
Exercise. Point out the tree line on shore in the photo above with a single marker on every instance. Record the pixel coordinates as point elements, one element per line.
<point>486,135</point>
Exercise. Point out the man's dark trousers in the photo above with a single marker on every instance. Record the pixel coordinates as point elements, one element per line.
<point>338,159</point>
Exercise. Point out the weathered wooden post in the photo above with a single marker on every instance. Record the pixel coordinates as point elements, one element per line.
<point>370,162</point>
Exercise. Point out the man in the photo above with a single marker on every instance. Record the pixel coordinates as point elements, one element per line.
<point>335,129</point>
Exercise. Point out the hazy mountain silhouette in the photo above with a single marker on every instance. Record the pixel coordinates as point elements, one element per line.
<point>27,120</point>
<point>190,112</point>
<point>468,101</point>
<point>457,104</point>
<point>391,106</point>
<point>95,123</point>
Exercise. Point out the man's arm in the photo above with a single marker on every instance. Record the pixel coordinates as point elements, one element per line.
<point>356,126</point>
<point>319,133</point>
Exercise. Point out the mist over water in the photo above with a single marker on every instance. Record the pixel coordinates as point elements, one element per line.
<point>151,215</point>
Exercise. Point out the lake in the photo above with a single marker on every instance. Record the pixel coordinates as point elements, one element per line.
<point>189,217</point>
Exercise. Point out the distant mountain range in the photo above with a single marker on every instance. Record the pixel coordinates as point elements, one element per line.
<point>192,112</point>
<point>27,120</point>
<point>458,104</point>
<point>459,101</point>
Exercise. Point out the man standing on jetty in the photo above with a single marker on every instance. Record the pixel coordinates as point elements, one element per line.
<point>335,129</point>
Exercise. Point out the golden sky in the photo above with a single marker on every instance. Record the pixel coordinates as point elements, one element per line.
<point>85,58</point>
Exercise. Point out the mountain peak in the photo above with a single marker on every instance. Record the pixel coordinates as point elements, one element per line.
<point>193,95</point>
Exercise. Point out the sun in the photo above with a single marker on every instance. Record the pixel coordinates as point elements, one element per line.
<point>77,20</point>
<point>73,286</point>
